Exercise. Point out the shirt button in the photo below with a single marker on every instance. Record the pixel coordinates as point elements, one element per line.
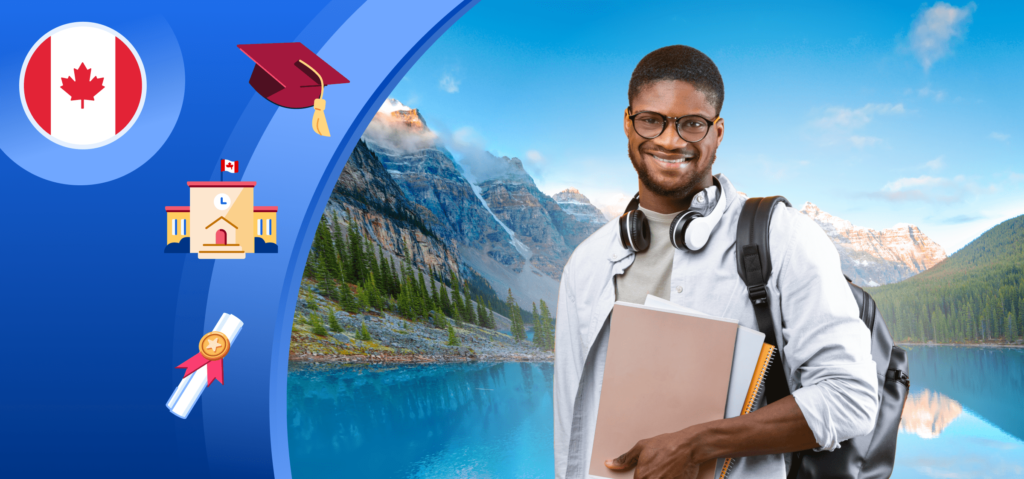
<point>679,289</point>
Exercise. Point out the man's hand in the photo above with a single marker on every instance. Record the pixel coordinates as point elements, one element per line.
<point>776,428</point>
<point>664,456</point>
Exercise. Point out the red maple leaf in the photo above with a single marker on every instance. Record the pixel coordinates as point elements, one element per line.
<point>81,88</point>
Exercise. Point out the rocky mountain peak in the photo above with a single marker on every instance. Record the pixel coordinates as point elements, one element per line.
<point>570,195</point>
<point>578,205</point>
<point>871,257</point>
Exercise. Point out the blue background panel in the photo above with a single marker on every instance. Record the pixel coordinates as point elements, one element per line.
<point>96,316</point>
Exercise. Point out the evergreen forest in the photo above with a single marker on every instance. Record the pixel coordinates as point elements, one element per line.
<point>356,274</point>
<point>975,295</point>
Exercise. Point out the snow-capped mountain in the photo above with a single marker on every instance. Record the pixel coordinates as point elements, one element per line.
<point>871,257</point>
<point>482,213</point>
<point>574,203</point>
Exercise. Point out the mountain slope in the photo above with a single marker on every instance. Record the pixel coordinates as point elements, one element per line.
<point>367,194</point>
<point>967,297</point>
<point>873,258</point>
<point>538,221</point>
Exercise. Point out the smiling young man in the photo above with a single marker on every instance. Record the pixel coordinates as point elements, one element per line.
<point>674,129</point>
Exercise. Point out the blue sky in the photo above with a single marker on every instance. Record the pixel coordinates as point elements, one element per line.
<point>879,113</point>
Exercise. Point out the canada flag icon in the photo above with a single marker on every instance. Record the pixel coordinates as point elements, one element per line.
<point>83,85</point>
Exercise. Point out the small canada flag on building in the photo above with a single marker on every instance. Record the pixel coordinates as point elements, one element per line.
<point>83,85</point>
<point>229,166</point>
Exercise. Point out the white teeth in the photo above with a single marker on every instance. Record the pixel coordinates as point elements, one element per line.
<point>680,160</point>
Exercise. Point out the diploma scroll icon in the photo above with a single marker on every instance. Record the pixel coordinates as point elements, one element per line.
<point>203,368</point>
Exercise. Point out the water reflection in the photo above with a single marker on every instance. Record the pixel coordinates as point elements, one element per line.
<point>927,413</point>
<point>963,417</point>
<point>472,420</point>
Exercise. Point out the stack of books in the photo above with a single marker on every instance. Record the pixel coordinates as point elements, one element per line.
<point>668,368</point>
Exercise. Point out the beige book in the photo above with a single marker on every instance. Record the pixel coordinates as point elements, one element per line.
<point>664,371</point>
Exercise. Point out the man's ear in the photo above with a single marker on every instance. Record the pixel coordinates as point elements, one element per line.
<point>625,122</point>
<point>720,126</point>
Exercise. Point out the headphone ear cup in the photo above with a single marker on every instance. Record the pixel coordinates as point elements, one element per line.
<point>677,229</point>
<point>641,232</point>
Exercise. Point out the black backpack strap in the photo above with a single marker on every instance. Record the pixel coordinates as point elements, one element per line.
<point>754,264</point>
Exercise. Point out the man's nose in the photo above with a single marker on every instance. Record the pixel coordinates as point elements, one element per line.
<point>669,138</point>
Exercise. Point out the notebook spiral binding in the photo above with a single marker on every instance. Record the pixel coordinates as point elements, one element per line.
<point>748,407</point>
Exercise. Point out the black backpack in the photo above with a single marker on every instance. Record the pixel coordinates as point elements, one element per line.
<point>869,456</point>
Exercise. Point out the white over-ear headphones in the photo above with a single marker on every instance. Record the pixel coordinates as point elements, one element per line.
<point>689,230</point>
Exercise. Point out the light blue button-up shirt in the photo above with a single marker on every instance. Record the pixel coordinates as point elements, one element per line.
<point>825,346</point>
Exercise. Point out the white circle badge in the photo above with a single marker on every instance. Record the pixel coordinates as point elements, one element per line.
<point>83,85</point>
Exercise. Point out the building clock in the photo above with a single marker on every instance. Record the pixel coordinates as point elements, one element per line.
<point>222,201</point>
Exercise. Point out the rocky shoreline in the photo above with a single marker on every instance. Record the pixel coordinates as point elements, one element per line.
<point>395,339</point>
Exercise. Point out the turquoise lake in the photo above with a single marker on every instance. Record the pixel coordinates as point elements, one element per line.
<point>494,420</point>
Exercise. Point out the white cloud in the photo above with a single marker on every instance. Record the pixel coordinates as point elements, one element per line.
<point>932,189</point>
<point>928,92</point>
<point>934,29</point>
<point>846,117</point>
<point>907,183</point>
<point>999,136</point>
<point>535,157</point>
<point>449,83</point>
<point>936,163</point>
<point>862,141</point>
<point>1016,176</point>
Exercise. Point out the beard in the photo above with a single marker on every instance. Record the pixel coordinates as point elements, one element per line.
<point>677,191</point>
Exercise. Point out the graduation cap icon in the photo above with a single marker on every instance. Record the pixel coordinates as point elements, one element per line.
<point>292,76</point>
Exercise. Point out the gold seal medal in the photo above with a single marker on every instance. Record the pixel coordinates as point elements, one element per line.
<point>214,345</point>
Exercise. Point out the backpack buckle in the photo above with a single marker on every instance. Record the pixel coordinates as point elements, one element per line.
<point>758,294</point>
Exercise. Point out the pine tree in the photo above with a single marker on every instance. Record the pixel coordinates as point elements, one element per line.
<point>1011,327</point>
<point>538,328</point>
<point>481,313</point>
<point>332,320</point>
<point>446,304</point>
<point>318,325</point>
<point>518,330</point>
<point>469,313</point>
<point>385,273</point>
<point>364,298</point>
<point>324,246</point>
<point>371,259</point>
<point>348,301</point>
<point>355,253</point>
<point>494,322</point>
<point>453,339</point>
<point>324,282</point>
<point>363,334</point>
<point>549,326</point>
<point>339,246</point>
<point>395,284</point>
<point>310,269</point>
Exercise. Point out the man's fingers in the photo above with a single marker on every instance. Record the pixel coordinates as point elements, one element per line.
<point>626,461</point>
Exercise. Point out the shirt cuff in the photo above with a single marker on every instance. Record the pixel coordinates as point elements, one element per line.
<point>813,405</point>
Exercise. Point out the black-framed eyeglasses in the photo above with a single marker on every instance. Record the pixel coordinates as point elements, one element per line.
<point>651,124</point>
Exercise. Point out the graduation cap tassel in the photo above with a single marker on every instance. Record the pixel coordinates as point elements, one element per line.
<point>319,120</point>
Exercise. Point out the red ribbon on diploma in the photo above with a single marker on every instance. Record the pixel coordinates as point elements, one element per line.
<point>212,349</point>
<point>214,369</point>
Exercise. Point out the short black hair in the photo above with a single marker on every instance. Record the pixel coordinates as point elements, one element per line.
<point>683,63</point>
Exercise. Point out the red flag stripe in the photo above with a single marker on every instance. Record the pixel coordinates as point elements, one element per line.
<point>37,86</point>
<point>129,85</point>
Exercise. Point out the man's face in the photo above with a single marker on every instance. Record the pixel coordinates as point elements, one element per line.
<point>669,166</point>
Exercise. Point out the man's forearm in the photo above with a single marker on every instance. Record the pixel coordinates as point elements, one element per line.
<point>779,427</point>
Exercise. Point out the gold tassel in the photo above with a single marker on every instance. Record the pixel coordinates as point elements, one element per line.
<point>319,120</point>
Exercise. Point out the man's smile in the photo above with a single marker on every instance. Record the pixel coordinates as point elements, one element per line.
<point>671,159</point>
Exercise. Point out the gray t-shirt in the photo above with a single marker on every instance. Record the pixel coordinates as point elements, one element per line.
<point>651,271</point>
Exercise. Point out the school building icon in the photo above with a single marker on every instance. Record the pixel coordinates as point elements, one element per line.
<point>221,222</point>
